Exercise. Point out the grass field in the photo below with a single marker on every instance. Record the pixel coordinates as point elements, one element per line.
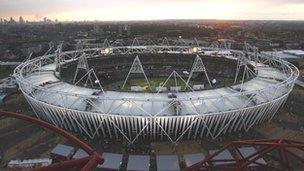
<point>142,83</point>
<point>156,82</point>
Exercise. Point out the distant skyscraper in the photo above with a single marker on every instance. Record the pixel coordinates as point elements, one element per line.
<point>124,30</point>
<point>21,20</point>
<point>127,28</point>
<point>1,20</point>
<point>11,20</point>
<point>98,31</point>
<point>45,19</point>
<point>120,28</point>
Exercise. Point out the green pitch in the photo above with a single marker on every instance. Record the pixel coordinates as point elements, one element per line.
<point>156,82</point>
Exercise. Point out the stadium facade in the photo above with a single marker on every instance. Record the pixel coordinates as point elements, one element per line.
<point>76,90</point>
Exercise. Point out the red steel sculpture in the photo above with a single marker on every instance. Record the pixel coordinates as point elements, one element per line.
<point>83,164</point>
<point>284,148</point>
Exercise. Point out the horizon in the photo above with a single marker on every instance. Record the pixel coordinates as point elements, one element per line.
<point>149,10</point>
<point>151,20</point>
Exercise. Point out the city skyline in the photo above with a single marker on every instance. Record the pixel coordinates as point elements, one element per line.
<point>119,10</point>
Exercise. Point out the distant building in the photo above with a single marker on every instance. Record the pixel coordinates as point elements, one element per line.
<point>127,29</point>
<point>293,56</point>
<point>21,20</point>
<point>46,20</point>
<point>62,152</point>
<point>275,44</point>
<point>11,20</point>
<point>27,48</point>
<point>98,31</point>
<point>299,53</point>
<point>31,163</point>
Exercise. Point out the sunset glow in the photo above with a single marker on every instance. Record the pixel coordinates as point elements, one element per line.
<point>152,9</point>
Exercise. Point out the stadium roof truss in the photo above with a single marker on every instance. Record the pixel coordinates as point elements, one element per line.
<point>102,113</point>
<point>136,68</point>
<point>198,66</point>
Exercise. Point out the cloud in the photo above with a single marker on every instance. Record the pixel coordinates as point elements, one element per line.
<point>152,9</point>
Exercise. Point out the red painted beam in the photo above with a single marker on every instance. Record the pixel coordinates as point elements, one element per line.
<point>260,154</point>
<point>242,163</point>
<point>95,156</point>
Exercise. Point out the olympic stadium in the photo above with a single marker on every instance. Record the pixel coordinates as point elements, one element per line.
<point>170,90</point>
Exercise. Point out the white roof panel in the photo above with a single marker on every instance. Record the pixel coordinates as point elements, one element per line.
<point>111,161</point>
<point>132,103</point>
<point>167,163</point>
<point>63,150</point>
<point>138,163</point>
<point>247,151</point>
<point>80,153</point>
<point>192,159</point>
<point>224,155</point>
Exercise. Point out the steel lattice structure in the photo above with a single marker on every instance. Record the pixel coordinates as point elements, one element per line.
<point>286,150</point>
<point>149,116</point>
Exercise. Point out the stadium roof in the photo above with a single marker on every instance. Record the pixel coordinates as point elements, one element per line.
<point>167,163</point>
<point>138,163</point>
<point>116,100</point>
<point>209,112</point>
<point>247,151</point>
<point>224,155</point>
<point>191,159</point>
<point>111,161</point>
<point>63,150</point>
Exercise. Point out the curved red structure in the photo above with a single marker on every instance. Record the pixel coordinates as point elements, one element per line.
<point>284,148</point>
<point>85,164</point>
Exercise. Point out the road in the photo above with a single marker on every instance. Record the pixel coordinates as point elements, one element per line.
<point>9,63</point>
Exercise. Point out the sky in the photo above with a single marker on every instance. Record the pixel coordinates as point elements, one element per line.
<point>120,10</point>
